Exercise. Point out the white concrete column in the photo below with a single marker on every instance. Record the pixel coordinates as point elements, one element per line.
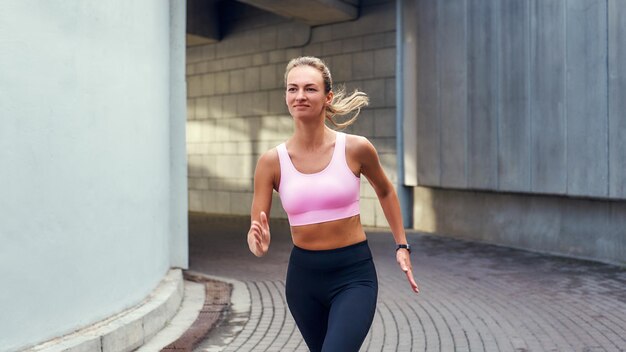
<point>179,249</point>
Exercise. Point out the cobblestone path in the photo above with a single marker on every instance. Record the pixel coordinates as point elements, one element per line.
<point>474,297</point>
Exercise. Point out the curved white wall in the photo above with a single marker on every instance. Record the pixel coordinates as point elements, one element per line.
<point>85,168</point>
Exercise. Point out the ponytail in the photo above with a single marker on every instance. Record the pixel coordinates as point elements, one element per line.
<point>343,105</point>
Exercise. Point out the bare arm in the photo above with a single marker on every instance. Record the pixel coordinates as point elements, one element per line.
<point>264,183</point>
<point>372,169</point>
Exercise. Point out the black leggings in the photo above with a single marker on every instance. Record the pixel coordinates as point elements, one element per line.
<point>332,296</point>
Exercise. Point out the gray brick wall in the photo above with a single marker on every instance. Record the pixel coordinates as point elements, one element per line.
<point>236,108</point>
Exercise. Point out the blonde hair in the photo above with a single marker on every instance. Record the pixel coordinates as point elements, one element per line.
<point>342,104</point>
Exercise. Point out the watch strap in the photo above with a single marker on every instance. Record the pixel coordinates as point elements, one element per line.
<point>405,246</point>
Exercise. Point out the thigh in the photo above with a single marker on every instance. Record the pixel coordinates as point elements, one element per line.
<point>350,317</point>
<point>310,315</point>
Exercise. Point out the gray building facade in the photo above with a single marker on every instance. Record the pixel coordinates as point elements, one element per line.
<point>508,126</point>
<point>520,123</point>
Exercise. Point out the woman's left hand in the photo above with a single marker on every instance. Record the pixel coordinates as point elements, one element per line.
<point>404,260</point>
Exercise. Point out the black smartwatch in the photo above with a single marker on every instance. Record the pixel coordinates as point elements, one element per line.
<point>405,246</point>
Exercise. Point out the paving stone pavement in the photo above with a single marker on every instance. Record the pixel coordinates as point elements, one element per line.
<point>474,297</point>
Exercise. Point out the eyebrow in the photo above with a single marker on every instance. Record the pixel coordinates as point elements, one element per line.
<point>308,84</point>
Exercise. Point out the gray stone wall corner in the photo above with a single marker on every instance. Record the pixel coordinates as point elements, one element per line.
<point>128,330</point>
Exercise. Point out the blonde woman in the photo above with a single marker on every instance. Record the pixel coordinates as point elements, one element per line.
<point>331,285</point>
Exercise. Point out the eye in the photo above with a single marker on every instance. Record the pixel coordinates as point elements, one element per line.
<point>311,89</point>
<point>291,89</point>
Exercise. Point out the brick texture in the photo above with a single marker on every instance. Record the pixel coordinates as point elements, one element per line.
<point>236,108</point>
<point>473,297</point>
<point>216,302</point>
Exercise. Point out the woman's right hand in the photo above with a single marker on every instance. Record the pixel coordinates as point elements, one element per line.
<point>259,236</point>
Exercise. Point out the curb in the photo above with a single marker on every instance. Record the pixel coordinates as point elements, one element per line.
<point>129,329</point>
<point>233,318</point>
<point>216,302</point>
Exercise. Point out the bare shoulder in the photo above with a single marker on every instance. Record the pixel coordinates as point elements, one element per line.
<point>359,147</point>
<point>269,158</point>
<point>268,168</point>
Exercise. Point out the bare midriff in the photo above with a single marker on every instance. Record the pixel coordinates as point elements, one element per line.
<point>329,235</point>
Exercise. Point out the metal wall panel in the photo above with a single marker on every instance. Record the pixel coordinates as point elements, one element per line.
<point>617,98</point>
<point>522,96</point>
<point>513,81</point>
<point>428,132</point>
<point>548,159</point>
<point>482,102</point>
<point>451,27</point>
<point>586,96</point>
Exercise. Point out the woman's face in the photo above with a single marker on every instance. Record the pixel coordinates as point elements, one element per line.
<point>305,95</point>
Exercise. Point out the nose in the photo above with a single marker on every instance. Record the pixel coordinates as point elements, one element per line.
<point>300,95</point>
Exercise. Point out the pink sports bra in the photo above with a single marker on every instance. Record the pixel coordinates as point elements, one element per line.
<point>328,195</point>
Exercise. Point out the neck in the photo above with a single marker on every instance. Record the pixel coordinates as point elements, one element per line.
<point>311,136</point>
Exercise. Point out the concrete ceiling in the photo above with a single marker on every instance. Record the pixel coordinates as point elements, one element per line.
<point>311,12</point>
<point>203,16</point>
<point>203,25</point>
